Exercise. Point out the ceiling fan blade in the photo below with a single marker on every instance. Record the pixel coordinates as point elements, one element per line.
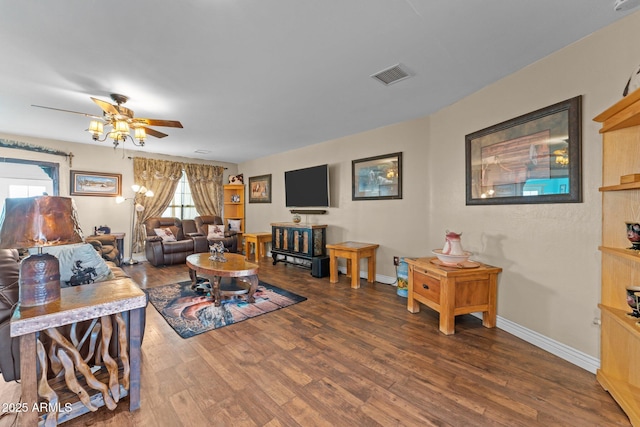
<point>69,111</point>
<point>154,132</point>
<point>158,122</point>
<point>106,107</point>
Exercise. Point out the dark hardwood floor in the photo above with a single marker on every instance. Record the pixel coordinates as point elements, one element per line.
<point>349,357</point>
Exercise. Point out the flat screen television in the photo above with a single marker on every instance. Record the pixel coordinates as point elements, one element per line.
<point>308,187</point>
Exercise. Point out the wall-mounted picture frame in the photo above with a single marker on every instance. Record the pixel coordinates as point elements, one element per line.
<point>534,158</point>
<point>95,184</point>
<point>377,178</point>
<point>260,189</point>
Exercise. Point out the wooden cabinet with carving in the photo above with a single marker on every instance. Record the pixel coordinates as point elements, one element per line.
<point>620,332</point>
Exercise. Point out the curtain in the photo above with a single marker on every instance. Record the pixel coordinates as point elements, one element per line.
<point>205,182</point>
<point>161,177</point>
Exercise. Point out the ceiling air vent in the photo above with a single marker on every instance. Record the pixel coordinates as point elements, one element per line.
<point>391,75</point>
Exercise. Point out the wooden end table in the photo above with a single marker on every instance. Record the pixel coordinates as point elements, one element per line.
<point>106,301</point>
<point>353,252</point>
<point>259,240</point>
<point>452,291</point>
<point>236,266</point>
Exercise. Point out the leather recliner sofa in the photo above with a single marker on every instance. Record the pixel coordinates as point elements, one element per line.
<point>230,239</point>
<point>165,252</point>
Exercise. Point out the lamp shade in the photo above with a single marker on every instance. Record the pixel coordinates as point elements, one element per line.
<point>39,221</point>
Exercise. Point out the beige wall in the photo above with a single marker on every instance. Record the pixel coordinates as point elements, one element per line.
<point>551,278</point>
<point>93,157</point>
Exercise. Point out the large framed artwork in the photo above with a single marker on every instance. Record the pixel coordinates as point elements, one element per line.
<point>534,158</point>
<point>260,189</point>
<point>377,178</point>
<point>95,184</point>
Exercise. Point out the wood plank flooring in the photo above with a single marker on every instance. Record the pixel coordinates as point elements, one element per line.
<point>348,357</point>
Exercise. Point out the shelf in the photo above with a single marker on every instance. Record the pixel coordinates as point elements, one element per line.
<point>621,187</point>
<point>234,210</point>
<point>309,211</point>
<point>630,254</point>
<point>621,317</point>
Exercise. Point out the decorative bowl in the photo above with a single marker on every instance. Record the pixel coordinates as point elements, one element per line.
<point>633,234</point>
<point>451,260</point>
<point>633,300</point>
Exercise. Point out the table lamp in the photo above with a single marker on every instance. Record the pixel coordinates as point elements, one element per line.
<point>36,222</point>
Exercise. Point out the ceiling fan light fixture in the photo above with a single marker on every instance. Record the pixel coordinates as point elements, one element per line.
<point>121,127</point>
<point>96,127</point>
<point>141,135</point>
<point>120,120</point>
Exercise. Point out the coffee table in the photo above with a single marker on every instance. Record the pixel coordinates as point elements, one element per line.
<point>236,267</point>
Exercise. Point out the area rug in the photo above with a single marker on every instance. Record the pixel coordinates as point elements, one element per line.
<point>191,313</point>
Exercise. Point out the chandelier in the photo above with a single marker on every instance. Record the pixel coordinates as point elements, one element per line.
<point>120,132</point>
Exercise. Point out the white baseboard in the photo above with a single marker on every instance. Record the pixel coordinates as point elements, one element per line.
<point>554,347</point>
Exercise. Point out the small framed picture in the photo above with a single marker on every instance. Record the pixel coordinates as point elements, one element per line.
<point>95,184</point>
<point>260,189</point>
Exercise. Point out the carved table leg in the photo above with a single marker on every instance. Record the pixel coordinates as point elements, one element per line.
<point>112,365</point>
<point>72,381</point>
<point>253,281</point>
<point>215,289</point>
<point>44,389</point>
<point>194,278</point>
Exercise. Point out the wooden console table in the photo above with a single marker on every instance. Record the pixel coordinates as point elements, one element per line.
<point>118,301</point>
<point>452,291</point>
<point>353,252</point>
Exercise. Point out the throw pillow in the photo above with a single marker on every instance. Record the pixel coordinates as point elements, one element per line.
<point>216,231</point>
<point>166,234</point>
<point>234,224</point>
<point>79,264</point>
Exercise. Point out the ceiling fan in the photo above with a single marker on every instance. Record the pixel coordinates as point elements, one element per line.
<point>121,119</point>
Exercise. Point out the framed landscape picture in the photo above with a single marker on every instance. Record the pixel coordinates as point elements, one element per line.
<point>377,178</point>
<point>260,189</point>
<point>95,184</point>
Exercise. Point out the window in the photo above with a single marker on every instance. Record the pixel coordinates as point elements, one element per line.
<point>182,204</point>
<point>27,190</point>
<point>27,178</point>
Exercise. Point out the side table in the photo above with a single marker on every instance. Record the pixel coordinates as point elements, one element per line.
<point>259,240</point>
<point>452,291</point>
<point>120,245</point>
<point>353,252</point>
<point>119,300</point>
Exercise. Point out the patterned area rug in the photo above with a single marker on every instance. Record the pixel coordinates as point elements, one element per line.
<point>191,313</point>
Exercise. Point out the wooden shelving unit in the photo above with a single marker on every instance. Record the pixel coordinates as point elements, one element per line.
<point>620,333</point>
<point>234,209</point>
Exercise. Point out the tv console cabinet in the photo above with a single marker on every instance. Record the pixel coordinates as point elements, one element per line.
<point>297,240</point>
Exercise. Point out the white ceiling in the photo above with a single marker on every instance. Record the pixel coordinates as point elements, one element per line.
<point>250,78</point>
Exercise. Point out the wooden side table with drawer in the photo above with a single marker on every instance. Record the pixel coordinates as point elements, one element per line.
<point>452,291</point>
